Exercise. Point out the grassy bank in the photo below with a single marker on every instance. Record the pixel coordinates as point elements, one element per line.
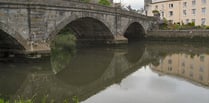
<point>44,100</point>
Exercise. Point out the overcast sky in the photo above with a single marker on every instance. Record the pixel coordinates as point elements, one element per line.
<point>136,4</point>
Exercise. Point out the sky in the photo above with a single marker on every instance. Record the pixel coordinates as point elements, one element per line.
<point>136,4</point>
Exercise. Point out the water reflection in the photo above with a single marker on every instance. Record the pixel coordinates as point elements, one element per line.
<point>87,72</point>
<point>15,71</point>
<point>194,68</point>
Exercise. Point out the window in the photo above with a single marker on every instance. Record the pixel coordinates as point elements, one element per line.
<point>170,68</point>
<point>191,74</point>
<point>170,5</point>
<point>169,61</point>
<point>203,21</point>
<point>184,4</point>
<point>202,58</point>
<point>184,12</point>
<point>204,1</point>
<point>193,2</point>
<point>163,14</point>
<point>183,64</point>
<point>201,69</point>
<point>170,21</point>
<point>170,13</point>
<point>156,7</point>
<point>193,11</point>
<point>203,10</point>
<point>187,21</point>
<point>183,71</point>
<point>201,77</point>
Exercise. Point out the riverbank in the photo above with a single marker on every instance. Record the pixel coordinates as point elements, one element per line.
<point>178,35</point>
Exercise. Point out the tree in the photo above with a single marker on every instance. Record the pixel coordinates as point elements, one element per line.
<point>105,2</point>
<point>129,8</point>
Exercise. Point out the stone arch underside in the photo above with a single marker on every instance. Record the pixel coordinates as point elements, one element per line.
<point>88,28</point>
<point>11,40</point>
<point>135,31</point>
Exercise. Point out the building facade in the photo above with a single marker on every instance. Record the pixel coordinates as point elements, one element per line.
<point>182,11</point>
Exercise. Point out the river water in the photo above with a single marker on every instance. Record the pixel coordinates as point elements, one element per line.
<point>142,72</point>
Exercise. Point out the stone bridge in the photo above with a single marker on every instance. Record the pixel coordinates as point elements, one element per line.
<point>31,25</point>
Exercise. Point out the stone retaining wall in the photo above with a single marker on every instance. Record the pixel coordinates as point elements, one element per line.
<point>195,35</point>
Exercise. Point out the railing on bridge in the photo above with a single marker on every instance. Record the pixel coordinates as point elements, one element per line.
<point>70,4</point>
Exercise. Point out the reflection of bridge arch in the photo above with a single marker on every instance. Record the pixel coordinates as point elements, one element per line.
<point>115,68</point>
<point>88,66</point>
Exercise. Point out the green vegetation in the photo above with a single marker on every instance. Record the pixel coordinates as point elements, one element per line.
<point>166,25</point>
<point>16,101</point>
<point>207,27</point>
<point>155,11</point>
<point>65,39</point>
<point>75,99</point>
<point>169,25</point>
<point>44,100</point>
<point>63,49</point>
<point>104,2</point>
<point>86,1</point>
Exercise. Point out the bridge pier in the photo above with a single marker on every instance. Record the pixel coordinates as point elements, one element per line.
<point>38,47</point>
<point>119,39</point>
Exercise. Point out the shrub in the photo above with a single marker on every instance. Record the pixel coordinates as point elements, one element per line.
<point>207,27</point>
<point>104,2</point>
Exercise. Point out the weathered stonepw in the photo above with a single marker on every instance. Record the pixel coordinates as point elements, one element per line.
<point>30,25</point>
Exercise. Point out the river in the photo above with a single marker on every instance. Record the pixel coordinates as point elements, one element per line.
<point>142,72</point>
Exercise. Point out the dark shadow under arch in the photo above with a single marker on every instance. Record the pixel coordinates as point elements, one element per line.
<point>89,29</point>
<point>134,32</point>
<point>7,42</point>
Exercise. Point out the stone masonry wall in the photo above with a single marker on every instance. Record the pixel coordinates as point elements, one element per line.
<point>178,35</point>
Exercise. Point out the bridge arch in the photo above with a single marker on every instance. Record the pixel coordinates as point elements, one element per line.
<point>86,28</point>
<point>10,39</point>
<point>134,31</point>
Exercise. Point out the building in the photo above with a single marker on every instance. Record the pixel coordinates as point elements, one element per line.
<point>181,11</point>
<point>193,68</point>
<point>147,5</point>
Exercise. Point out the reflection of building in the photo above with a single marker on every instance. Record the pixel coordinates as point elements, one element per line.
<point>182,11</point>
<point>195,68</point>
